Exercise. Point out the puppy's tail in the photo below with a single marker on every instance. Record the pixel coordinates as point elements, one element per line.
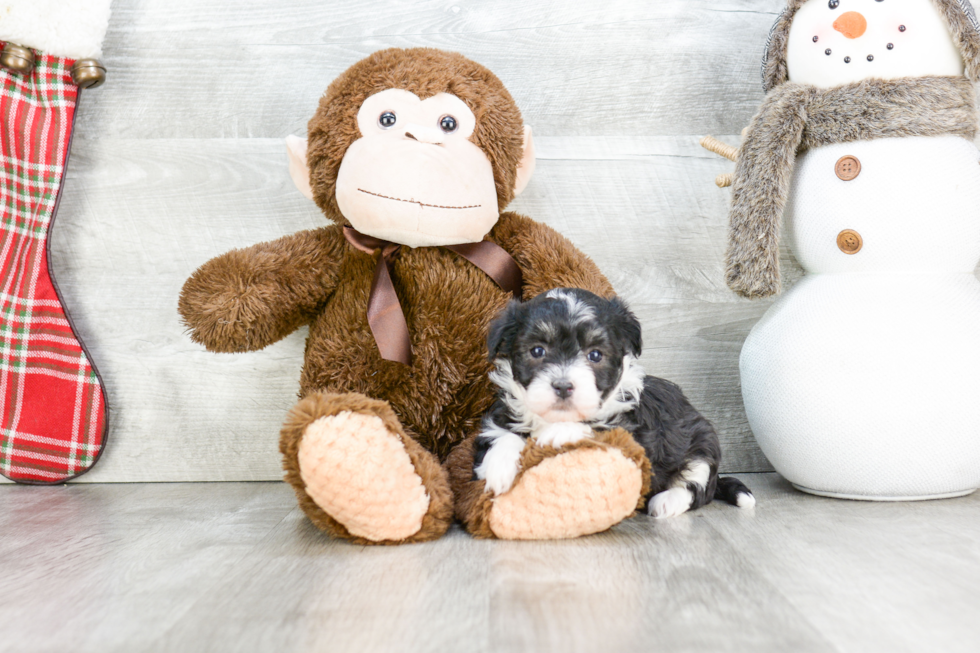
<point>733,491</point>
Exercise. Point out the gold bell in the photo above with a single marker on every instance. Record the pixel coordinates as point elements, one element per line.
<point>17,59</point>
<point>88,73</point>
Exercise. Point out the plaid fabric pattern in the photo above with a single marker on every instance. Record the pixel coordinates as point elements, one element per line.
<point>53,407</point>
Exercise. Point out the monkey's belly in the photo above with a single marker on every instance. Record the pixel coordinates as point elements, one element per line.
<point>868,385</point>
<point>439,398</point>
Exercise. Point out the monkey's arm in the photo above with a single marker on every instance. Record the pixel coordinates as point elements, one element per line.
<point>249,298</point>
<point>547,259</point>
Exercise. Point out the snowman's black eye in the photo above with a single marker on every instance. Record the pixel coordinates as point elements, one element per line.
<point>871,57</point>
<point>816,38</point>
<point>891,46</point>
<point>901,28</point>
<point>828,52</point>
<point>448,123</point>
<point>833,4</point>
<point>387,119</point>
<point>847,60</point>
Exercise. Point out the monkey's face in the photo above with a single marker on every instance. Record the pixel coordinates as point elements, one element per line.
<point>414,177</point>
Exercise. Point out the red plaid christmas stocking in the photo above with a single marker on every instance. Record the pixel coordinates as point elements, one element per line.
<point>54,415</point>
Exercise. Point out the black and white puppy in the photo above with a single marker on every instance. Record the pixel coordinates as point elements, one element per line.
<point>566,363</point>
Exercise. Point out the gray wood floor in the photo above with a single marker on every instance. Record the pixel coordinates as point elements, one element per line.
<point>236,567</point>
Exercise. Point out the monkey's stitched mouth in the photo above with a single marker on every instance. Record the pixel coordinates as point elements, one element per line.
<point>435,206</point>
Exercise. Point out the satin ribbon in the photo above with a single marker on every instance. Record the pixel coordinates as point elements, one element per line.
<point>385,314</point>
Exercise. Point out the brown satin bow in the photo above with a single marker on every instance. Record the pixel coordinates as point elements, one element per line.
<point>384,313</point>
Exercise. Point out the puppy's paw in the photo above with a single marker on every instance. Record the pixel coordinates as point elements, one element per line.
<point>501,463</point>
<point>558,434</point>
<point>670,503</point>
<point>745,500</point>
<point>500,473</point>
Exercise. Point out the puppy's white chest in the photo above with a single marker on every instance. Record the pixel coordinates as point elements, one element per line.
<point>559,434</point>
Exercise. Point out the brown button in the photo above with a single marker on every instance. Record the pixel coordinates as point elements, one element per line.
<point>849,241</point>
<point>848,168</point>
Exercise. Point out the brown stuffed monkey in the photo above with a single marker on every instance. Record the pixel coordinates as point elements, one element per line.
<point>412,154</point>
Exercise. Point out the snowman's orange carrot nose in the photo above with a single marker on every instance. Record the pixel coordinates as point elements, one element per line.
<point>851,24</point>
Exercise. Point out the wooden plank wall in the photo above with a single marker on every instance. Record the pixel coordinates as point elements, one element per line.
<point>180,157</point>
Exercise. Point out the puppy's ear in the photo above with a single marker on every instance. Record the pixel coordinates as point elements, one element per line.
<point>503,330</point>
<point>628,326</point>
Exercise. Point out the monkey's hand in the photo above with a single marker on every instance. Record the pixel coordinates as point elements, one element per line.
<point>249,298</point>
<point>547,259</point>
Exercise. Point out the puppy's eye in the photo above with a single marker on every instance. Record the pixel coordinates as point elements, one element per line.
<point>595,355</point>
<point>387,120</point>
<point>537,352</point>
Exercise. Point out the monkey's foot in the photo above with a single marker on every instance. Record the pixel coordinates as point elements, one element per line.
<point>583,488</point>
<point>357,475</point>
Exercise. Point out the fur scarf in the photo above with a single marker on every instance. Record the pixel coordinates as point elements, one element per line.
<point>796,117</point>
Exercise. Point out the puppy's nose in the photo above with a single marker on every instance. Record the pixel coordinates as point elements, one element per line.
<point>563,388</point>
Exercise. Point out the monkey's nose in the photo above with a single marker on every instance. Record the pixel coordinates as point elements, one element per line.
<point>563,388</point>
<point>851,24</point>
<point>424,134</point>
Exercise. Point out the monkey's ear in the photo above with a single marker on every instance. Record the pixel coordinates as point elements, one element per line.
<point>298,170</point>
<point>526,167</point>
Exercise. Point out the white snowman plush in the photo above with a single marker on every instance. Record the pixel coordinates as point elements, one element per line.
<point>863,380</point>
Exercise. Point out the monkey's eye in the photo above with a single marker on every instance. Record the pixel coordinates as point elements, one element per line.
<point>448,124</point>
<point>387,120</point>
<point>833,4</point>
<point>595,355</point>
<point>537,352</point>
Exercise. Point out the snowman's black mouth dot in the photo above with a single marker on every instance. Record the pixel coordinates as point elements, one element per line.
<point>901,28</point>
<point>827,52</point>
<point>847,60</point>
<point>891,46</point>
<point>871,57</point>
<point>816,38</point>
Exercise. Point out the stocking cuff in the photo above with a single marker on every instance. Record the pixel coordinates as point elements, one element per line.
<point>63,28</point>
